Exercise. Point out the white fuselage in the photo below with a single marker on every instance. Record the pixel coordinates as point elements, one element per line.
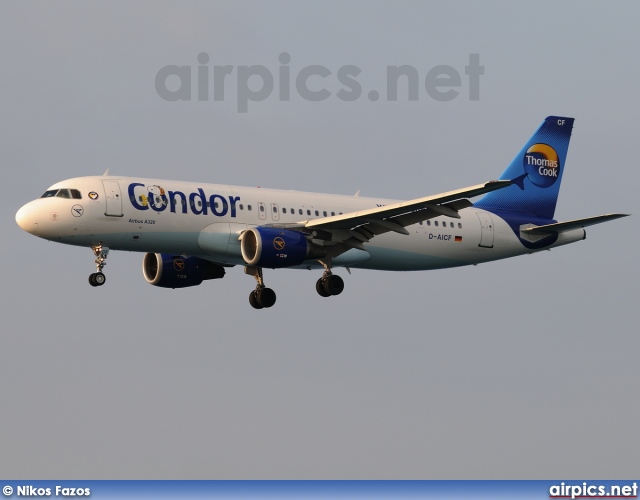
<point>206,220</point>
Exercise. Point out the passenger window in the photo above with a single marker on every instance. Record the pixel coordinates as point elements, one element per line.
<point>317,213</point>
<point>308,212</point>
<point>249,208</point>
<point>459,225</point>
<point>241,206</point>
<point>262,208</point>
<point>428,223</point>
<point>435,223</point>
<point>332,214</point>
<point>284,210</point>
<point>324,213</point>
<point>300,211</point>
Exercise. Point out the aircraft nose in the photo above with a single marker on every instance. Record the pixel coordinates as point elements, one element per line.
<point>26,219</point>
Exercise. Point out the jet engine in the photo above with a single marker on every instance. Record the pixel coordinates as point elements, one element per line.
<point>273,248</point>
<point>177,271</point>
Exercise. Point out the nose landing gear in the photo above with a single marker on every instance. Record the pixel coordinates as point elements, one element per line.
<point>98,278</point>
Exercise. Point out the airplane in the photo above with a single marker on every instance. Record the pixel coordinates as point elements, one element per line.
<point>192,232</point>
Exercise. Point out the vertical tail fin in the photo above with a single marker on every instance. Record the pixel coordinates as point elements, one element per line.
<point>537,172</point>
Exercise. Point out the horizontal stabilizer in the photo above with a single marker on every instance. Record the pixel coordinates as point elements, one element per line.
<point>561,227</point>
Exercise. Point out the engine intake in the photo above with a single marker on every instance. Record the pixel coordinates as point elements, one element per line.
<point>274,248</point>
<point>177,271</point>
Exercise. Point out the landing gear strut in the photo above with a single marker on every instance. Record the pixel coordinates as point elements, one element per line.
<point>98,278</point>
<point>262,296</point>
<point>330,284</point>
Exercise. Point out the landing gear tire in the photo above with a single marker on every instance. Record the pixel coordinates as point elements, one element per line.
<point>253,300</point>
<point>262,298</point>
<point>320,288</point>
<point>333,285</point>
<point>266,297</point>
<point>97,279</point>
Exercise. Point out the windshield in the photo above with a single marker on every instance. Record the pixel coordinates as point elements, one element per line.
<point>62,193</point>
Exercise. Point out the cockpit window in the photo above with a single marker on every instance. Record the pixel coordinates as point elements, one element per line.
<point>63,193</point>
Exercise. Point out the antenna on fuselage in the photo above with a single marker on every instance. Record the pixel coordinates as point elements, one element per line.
<point>106,172</point>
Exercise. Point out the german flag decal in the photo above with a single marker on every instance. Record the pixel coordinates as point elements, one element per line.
<point>458,238</point>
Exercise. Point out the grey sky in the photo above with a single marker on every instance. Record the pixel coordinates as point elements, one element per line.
<point>525,368</point>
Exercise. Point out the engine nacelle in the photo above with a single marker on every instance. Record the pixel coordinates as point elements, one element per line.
<point>273,248</point>
<point>177,271</point>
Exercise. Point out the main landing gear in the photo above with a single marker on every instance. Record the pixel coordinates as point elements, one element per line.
<point>330,284</point>
<point>98,278</point>
<point>262,296</point>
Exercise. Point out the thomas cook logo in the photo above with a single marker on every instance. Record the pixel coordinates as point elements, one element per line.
<point>278,243</point>
<point>542,164</point>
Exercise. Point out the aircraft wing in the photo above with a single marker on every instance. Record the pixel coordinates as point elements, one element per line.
<point>353,229</point>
